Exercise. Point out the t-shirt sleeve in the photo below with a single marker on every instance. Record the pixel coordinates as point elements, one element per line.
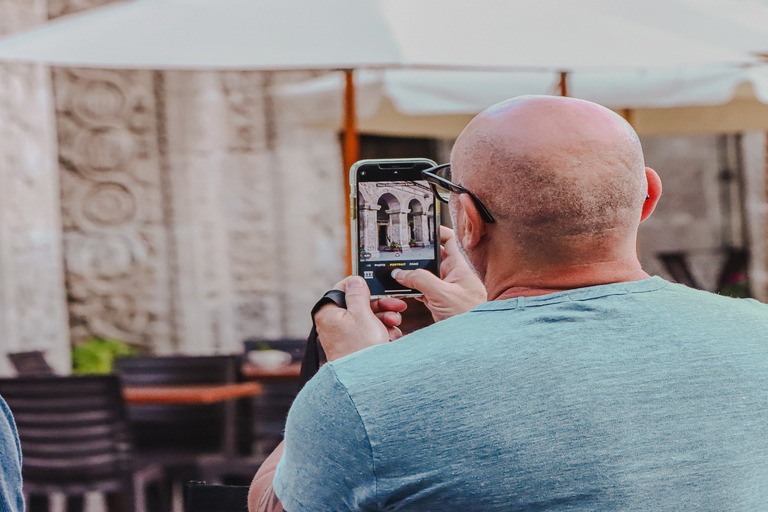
<point>11,495</point>
<point>327,464</point>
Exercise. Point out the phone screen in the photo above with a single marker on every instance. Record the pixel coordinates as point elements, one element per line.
<point>396,226</point>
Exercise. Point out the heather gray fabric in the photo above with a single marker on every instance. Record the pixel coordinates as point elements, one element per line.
<point>631,396</point>
<point>11,496</point>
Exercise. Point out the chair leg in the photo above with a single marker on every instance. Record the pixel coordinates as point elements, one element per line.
<point>121,501</point>
<point>75,503</point>
<point>177,495</point>
<point>37,503</point>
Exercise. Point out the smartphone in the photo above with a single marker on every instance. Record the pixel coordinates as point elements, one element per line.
<point>395,223</point>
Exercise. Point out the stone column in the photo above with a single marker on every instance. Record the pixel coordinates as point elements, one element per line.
<point>368,214</point>
<point>431,227</point>
<point>258,216</point>
<point>33,314</point>
<point>398,228</point>
<point>200,170</point>
<point>421,224</point>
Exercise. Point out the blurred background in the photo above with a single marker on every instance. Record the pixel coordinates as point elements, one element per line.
<point>174,176</point>
<point>182,211</point>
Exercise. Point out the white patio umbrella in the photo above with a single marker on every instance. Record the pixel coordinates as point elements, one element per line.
<point>336,34</point>
<point>348,34</point>
<point>435,93</point>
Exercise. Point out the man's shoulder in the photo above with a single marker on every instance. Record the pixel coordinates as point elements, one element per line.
<point>416,353</point>
<point>687,296</point>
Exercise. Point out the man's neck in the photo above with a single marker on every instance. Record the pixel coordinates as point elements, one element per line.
<point>545,281</point>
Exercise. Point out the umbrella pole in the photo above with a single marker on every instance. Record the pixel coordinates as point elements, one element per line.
<point>627,114</point>
<point>351,153</point>
<point>563,84</point>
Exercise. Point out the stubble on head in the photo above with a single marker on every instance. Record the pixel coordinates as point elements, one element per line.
<point>564,178</point>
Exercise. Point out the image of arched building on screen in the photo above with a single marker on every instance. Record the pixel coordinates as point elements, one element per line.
<point>396,221</point>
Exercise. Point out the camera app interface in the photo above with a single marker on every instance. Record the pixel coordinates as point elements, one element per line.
<point>396,230</point>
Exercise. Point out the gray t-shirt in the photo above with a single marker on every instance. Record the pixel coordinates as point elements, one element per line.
<point>11,496</point>
<point>644,395</point>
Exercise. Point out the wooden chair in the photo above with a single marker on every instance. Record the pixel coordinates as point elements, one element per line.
<point>30,363</point>
<point>189,440</point>
<point>75,440</point>
<point>178,430</point>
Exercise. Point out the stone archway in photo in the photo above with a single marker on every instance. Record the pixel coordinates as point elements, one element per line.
<point>418,224</point>
<point>391,231</point>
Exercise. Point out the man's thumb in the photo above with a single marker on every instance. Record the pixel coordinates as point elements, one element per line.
<point>357,294</point>
<point>421,280</point>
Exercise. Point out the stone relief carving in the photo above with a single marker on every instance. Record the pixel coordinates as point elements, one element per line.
<point>114,232</point>
<point>17,15</point>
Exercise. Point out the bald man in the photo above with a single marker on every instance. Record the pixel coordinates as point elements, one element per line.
<point>579,382</point>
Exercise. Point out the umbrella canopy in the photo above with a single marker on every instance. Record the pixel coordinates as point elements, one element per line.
<point>335,34</point>
<point>431,92</point>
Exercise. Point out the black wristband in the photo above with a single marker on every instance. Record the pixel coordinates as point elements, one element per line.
<point>312,355</point>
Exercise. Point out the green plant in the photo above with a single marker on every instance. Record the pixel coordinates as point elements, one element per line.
<point>96,356</point>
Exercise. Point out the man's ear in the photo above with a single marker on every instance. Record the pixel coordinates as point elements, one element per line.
<point>474,225</point>
<point>654,193</point>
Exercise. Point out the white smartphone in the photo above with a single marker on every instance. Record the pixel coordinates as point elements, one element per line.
<point>395,223</point>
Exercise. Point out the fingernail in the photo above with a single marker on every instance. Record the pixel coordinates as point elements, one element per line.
<point>356,282</point>
<point>395,272</point>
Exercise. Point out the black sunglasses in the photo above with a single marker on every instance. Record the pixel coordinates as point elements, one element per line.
<point>439,178</point>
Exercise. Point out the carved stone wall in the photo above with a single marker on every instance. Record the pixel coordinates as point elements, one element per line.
<point>257,209</point>
<point>188,210</point>
<point>112,206</point>
<point>32,298</point>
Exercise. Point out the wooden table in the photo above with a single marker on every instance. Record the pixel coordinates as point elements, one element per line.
<point>200,395</point>
<point>252,371</point>
<point>197,394</point>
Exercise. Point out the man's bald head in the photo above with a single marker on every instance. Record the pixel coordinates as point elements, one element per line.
<point>555,172</point>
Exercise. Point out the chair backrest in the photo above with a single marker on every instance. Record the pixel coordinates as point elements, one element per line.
<point>30,363</point>
<point>177,428</point>
<point>199,497</point>
<point>177,370</point>
<point>72,429</point>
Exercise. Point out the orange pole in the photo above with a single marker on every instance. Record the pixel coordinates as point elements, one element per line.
<point>627,114</point>
<point>351,152</point>
<point>563,85</point>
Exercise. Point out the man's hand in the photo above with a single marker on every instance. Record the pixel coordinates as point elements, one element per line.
<point>457,292</point>
<point>363,324</point>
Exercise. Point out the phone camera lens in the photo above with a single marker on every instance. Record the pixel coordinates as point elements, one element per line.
<point>363,173</point>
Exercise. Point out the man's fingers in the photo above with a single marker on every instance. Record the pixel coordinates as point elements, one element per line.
<point>388,304</point>
<point>421,280</point>
<point>357,294</point>
<point>446,234</point>
<point>390,318</point>
<point>394,333</point>
<point>449,243</point>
